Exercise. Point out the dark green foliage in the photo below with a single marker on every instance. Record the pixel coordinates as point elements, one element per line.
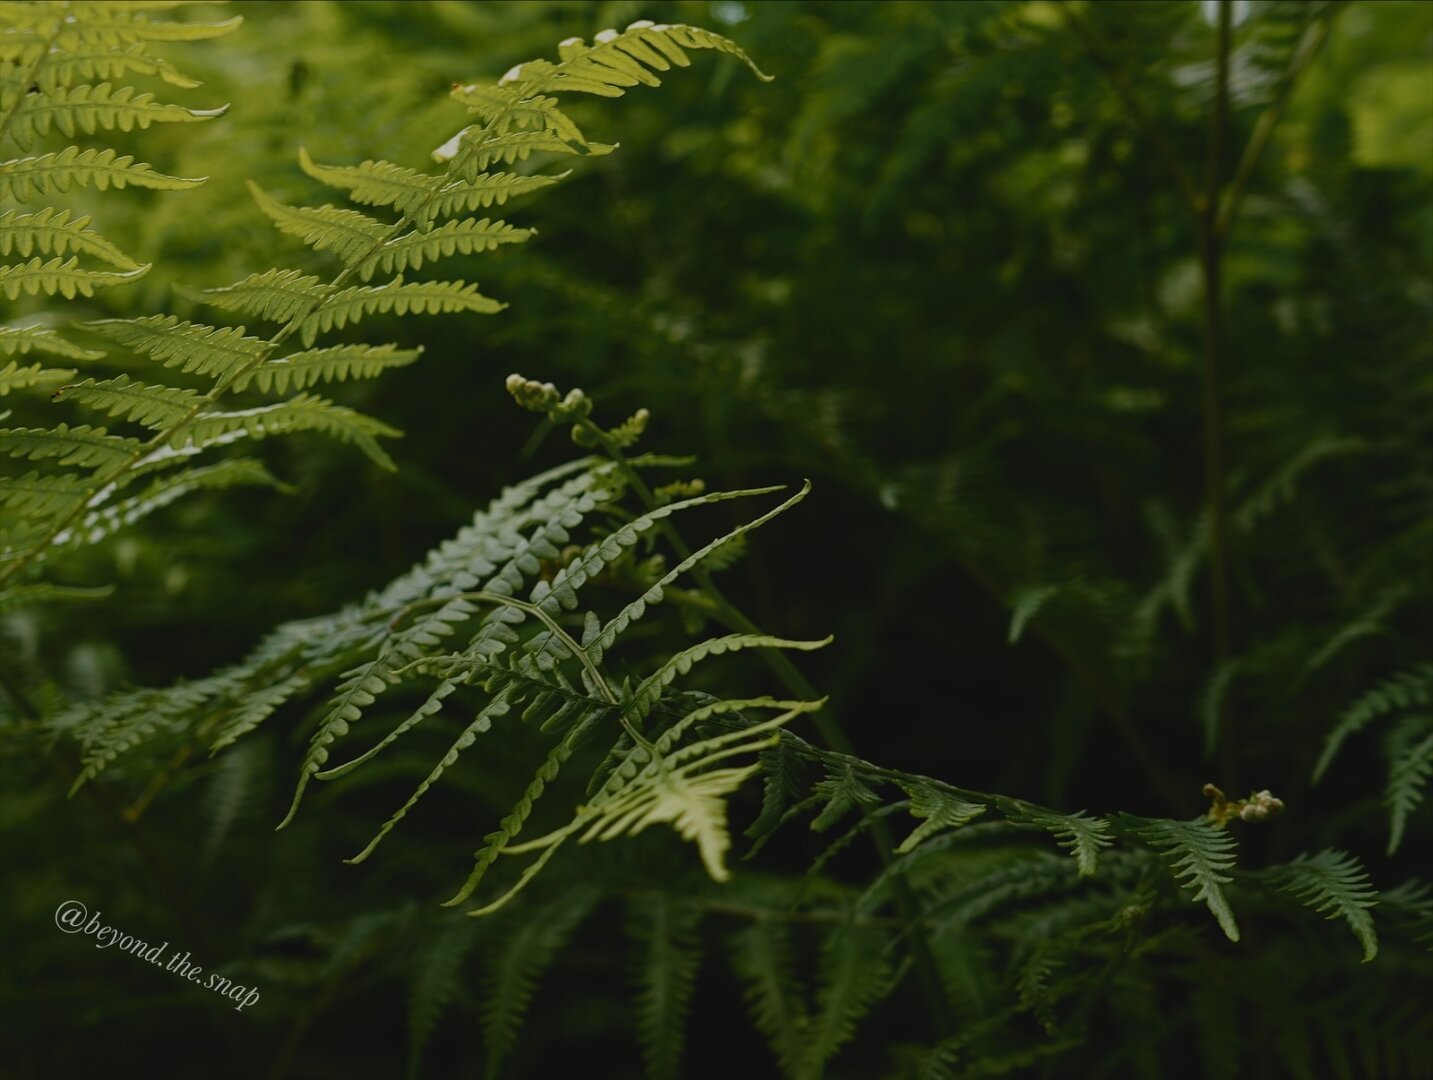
<point>1072,537</point>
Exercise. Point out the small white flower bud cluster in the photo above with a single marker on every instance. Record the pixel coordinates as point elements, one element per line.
<point>1261,806</point>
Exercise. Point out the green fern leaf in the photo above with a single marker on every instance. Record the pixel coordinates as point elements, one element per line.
<point>1334,883</point>
<point>350,235</point>
<point>377,183</point>
<point>512,971</point>
<point>842,792</point>
<point>50,232</point>
<point>14,377</point>
<point>466,237</point>
<point>42,496</point>
<point>434,980</point>
<point>1201,855</point>
<point>23,340</point>
<point>617,61</point>
<point>62,276</point>
<point>305,412</point>
<point>104,522</point>
<point>667,950</point>
<point>938,810</point>
<point>420,297</point>
<point>275,295</point>
<point>21,179</point>
<point>89,109</point>
<point>335,363</point>
<point>1405,690</point>
<point>81,445</point>
<point>1410,767</point>
<point>158,407</point>
<point>1081,835</point>
<point>188,346</point>
<point>762,957</point>
<point>488,189</point>
<point>853,975</point>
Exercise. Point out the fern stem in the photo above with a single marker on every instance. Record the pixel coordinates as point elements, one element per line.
<point>1268,120</point>
<point>1211,255</point>
<point>557,631</point>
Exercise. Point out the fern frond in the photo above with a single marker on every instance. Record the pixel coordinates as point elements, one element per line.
<point>21,179</point>
<point>419,195</point>
<point>14,377</point>
<point>763,959</point>
<point>1334,883</point>
<point>279,296</point>
<point>62,276</point>
<point>115,27</point>
<point>1201,855</point>
<point>1081,835</point>
<point>470,153</point>
<point>842,793</point>
<point>377,183</point>
<point>465,237</point>
<point>614,61</point>
<point>667,950</point>
<point>80,445</point>
<point>938,810</point>
<point>103,62</point>
<point>153,406</point>
<point>333,364</point>
<point>512,973</point>
<point>434,980</point>
<point>420,297</point>
<point>349,234</point>
<point>105,521</point>
<point>88,109</point>
<point>306,412</point>
<point>204,350</point>
<point>853,973</point>
<point>42,496</point>
<point>1404,690</point>
<point>57,233</point>
<point>23,340</point>
<point>483,191</point>
<point>1410,767</point>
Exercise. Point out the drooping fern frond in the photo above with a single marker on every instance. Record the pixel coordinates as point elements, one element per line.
<point>1335,884</point>
<point>524,953</point>
<point>1409,751</point>
<point>1201,855</point>
<point>666,953</point>
<point>1405,690</point>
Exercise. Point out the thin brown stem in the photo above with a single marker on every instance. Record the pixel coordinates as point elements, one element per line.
<point>1312,41</point>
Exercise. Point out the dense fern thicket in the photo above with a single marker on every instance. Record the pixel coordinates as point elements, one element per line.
<point>997,641</point>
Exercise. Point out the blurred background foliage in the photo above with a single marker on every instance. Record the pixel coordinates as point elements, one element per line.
<point>935,268</point>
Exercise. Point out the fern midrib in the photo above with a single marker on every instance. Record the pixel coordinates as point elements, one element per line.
<point>31,75</point>
<point>101,480</point>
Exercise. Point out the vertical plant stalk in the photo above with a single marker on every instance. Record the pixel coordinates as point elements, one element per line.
<point>1211,254</point>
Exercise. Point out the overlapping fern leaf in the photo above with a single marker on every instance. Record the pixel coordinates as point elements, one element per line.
<point>412,219</point>
<point>64,69</point>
